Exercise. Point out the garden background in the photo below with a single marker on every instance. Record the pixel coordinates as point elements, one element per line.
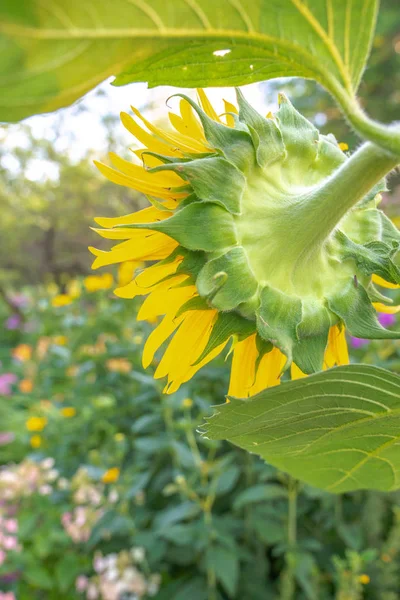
<point>106,489</point>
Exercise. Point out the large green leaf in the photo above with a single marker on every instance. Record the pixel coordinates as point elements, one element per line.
<point>52,52</point>
<point>338,430</point>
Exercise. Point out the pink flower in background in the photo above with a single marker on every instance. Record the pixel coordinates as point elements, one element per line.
<point>358,342</point>
<point>13,322</point>
<point>10,543</point>
<point>387,320</point>
<point>6,437</point>
<point>7,596</point>
<point>81,583</point>
<point>11,525</point>
<point>6,381</point>
<point>19,300</point>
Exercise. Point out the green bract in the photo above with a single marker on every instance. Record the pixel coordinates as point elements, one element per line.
<point>277,240</point>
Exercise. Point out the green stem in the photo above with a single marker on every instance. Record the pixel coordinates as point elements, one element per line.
<point>288,583</point>
<point>324,207</point>
<point>385,136</point>
<point>292,514</point>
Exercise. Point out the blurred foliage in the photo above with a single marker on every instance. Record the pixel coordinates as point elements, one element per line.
<point>131,478</point>
<point>48,202</point>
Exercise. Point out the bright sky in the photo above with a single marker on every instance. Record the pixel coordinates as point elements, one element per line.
<point>79,130</point>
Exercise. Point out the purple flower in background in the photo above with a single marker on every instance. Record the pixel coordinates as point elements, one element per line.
<point>13,322</point>
<point>387,320</point>
<point>358,342</point>
<point>6,381</point>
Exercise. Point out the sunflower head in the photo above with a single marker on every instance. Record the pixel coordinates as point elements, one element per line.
<point>246,245</point>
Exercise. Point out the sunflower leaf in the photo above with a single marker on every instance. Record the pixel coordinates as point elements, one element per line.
<point>48,49</point>
<point>337,430</point>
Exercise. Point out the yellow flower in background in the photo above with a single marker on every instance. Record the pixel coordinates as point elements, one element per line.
<point>61,300</point>
<point>60,340</point>
<point>221,268</point>
<point>119,437</point>
<point>22,352</point>
<point>111,476</point>
<point>364,579</point>
<point>137,339</point>
<point>343,146</point>
<point>74,288</point>
<point>94,283</point>
<point>36,423</point>
<point>35,441</point>
<point>187,403</point>
<point>68,412</point>
<point>26,386</point>
<point>119,365</point>
<point>126,271</point>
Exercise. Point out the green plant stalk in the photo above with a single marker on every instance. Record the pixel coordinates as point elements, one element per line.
<point>385,136</point>
<point>292,514</point>
<point>323,208</point>
<point>288,584</point>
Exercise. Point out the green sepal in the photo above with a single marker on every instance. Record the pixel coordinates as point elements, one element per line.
<point>265,133</point>
<point>389,232</point>
<point>239,284</point>
<point>199,226</point>
<point>329,155</point>
<point>299,135</point>
<point>373,195</point>
<point>196,303</point>
<point>355,309</point>
<point>369,224</point>
<point>213,179</point>
<point>192,262</point>
<point>263,347</point>
<point>312,332</point>
<point>278,317</point>
<point>234,143</point>
<point>373,257</point>
<point>227,324</point>
<point>375,295</point>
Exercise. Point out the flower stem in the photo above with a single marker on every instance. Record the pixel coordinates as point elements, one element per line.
<point>385,136</point>
<point>325,206</point>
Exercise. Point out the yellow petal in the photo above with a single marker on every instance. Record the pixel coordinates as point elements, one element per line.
<point>153,247</point>
<point>187,129</point>
<point>136,289</point>
<point>230,108</point>
<point>147,215</point>
<point>386,284</point>
<point>186,347</point>
<point>165,299</point>
<point>207,106</point>
<point>146,138</point>
<point>337,352</point>
<point>191,121</point>
<point>137,184</point>
<point>244,359</point>
<point>182,142</point>
<point>269,371</point>
<point>389,310</point>
<point>158,337</point>
<point>296,373</point>
<point>164,179</point>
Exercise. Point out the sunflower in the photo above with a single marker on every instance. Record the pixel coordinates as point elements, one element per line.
<point>242,248</point>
